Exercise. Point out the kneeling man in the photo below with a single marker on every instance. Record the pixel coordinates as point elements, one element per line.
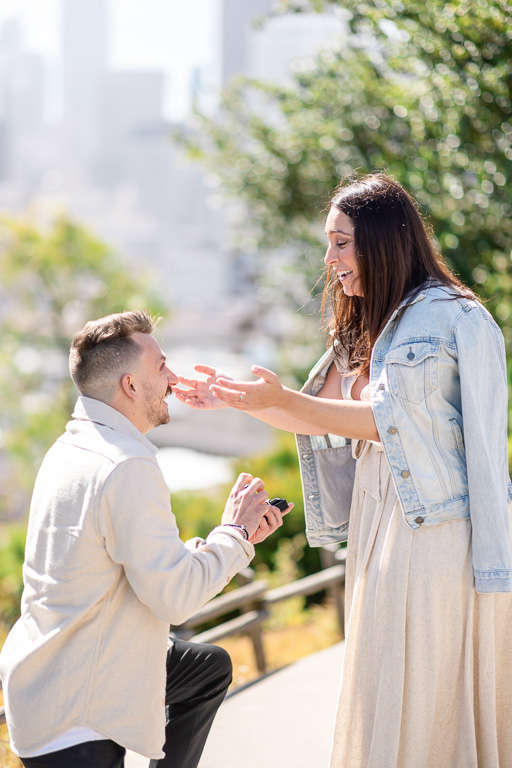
<point>87,670</point>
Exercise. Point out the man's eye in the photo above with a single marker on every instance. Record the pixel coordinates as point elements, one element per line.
<point>341,245</point>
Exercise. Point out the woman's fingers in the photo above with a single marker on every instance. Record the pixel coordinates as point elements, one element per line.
<point>187,382</point>
<point>264,373</point>
<point>186,393</point>
<point>190,400</point>
<point>205,369</point>
<point>228,396</point>
<point>237,386</point>
<point>265,392</point>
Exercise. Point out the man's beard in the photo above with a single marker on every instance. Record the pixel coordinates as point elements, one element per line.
<point>156,412</point>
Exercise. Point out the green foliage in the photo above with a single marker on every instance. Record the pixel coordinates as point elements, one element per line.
<point>420,89</point>
<point>288,554</point>
<point>52,282</point>
<point>197,512</point>
<point>12,548</point>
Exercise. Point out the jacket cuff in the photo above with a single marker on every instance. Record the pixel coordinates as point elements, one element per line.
<point>233,533</point>
<point>492,581</point>
<point>194,543</point>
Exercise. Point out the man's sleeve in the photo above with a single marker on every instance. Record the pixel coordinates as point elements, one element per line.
<point>483,386</point>
<point>135,519</point>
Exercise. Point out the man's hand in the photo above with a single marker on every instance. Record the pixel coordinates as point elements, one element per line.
<point>246,503</point>
<point>198,394</point>
<point>270,522</point>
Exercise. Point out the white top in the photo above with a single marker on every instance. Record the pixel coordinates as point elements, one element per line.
<point>105,574</point>
<point>347,382</point>
<point>70,738</point>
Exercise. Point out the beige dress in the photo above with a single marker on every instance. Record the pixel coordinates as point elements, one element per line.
<point>427,680</point>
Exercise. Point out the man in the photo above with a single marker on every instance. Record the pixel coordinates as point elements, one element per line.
<point>84,668</point>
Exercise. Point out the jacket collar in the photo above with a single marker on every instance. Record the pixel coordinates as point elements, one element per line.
<point>408,301</point>
<point>98,412</point>
<point>427,286</point>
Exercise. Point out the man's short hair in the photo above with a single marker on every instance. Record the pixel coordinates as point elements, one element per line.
<point>104,349</point>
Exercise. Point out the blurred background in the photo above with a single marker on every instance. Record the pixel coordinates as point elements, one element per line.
<point>93,95</point>
<point>179,156</point>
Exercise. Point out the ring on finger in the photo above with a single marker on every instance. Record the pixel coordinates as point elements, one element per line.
<point>241,397</point>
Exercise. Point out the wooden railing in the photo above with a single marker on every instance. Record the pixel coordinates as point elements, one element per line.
<point>253,600</point>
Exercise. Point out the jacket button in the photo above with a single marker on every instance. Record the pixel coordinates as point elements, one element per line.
<point>392,430</point>
<point>382,386</point>
<point>420,520</point>
<point>405,473</point>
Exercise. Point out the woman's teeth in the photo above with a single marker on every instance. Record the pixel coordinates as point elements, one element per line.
<point>344,274</point>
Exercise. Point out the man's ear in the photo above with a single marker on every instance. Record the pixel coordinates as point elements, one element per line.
<point>128,386</point>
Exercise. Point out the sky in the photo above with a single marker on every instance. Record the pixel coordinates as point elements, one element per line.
<point>175,36</point>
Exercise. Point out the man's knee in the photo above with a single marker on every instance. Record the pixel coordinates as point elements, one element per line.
<point>222,665</point>
<point>197,666</point>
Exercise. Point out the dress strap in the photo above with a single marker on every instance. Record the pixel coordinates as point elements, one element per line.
<point>347,382</point>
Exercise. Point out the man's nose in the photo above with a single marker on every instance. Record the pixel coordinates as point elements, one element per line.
<point>171,377</point>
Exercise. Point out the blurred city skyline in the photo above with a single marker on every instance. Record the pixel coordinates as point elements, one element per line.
<point>114,73</point>
<point>167,36</point>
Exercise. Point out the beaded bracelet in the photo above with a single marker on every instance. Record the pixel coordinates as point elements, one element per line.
<point>243,530</point>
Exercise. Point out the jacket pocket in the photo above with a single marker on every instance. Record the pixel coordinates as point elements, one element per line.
<point>459,440</point>
<point>335,469</point>
<point>413,370</point>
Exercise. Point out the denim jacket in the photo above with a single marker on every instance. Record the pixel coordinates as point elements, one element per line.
<point>438,389</point>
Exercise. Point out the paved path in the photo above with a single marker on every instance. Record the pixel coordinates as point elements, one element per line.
<point>282,721</point>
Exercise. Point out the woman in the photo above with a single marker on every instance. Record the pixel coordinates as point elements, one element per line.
<point>415,375</point>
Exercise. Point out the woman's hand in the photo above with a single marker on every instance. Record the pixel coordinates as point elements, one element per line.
<point>266,392</point>
<point>198,394</point>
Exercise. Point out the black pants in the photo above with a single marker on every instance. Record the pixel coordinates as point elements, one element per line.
<point>198,677</point>
<point>104,754</point>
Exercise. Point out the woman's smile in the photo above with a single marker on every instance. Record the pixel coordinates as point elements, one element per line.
<point>341,252</point>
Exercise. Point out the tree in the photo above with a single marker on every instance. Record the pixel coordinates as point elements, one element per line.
<point>421,89</point>
<point>52,283</point>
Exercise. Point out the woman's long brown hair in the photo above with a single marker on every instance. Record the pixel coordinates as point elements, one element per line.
<point>395,258</point>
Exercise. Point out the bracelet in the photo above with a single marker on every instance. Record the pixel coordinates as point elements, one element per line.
<point>243,530</point>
